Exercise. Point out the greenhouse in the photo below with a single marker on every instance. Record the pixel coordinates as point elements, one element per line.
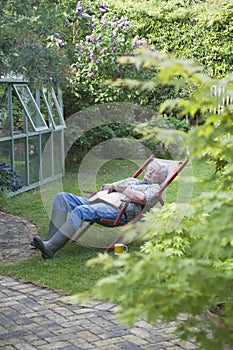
<point>31,131</point>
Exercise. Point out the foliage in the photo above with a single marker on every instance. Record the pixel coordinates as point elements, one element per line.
<point>52,40</point>
<point>167,122</point>
<point>25,41</point>
<point>155,144</point>
<point>92,35</point>
<point>197,30</point>
<point>95,57</point>
<point>96,136</point>
<point>186,263</point>
<point>9,179</point>
<point>174,26</point>
<point>99,36</point>
<point>94,126</point>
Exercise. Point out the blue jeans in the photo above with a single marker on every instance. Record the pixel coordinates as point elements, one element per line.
<point>81,210</point>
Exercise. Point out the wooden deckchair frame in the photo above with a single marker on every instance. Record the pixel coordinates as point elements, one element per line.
<point>145,206</point>
<point>157,198</point>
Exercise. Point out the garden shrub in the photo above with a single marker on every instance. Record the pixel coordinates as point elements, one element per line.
<point>25,48</point>
<point>95,136</point>
<point>197,30</point>
<point>154,144</point>
<point>190,29</point>
<point>98,35</point>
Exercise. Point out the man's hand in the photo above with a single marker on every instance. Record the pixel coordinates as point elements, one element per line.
<point>134,195</point>
<point>118,188</point>
<point>107,187</point>
<point>113,188</point>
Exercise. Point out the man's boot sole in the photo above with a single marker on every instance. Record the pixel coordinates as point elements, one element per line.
<point>38,243</point>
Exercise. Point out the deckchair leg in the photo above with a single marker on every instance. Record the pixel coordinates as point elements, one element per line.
<point>76,238</point>
<point>117,239</point>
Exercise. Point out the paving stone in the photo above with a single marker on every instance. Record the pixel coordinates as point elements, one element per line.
<point>24,346</point>
<point>129,346</point>
<point>108,342</point>
<point>134,339</point>
<point>70,347</point>
<point>141,332</point>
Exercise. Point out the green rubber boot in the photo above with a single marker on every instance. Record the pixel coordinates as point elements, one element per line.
<point>58,218</point>
<point>56,242</point>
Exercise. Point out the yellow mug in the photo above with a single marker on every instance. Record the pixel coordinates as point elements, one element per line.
<point>120,248</point>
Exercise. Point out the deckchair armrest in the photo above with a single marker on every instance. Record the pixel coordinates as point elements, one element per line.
<point>110,222</point>
<point>134,201</point>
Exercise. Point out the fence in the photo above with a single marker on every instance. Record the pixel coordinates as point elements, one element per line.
<point>224,98</point>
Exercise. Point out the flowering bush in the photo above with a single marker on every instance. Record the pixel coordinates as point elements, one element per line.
<point>99,37</point>
<point>96,54</point>
<point>9,179</point>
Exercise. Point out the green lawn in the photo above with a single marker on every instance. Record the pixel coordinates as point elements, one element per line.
<point>68,272</point>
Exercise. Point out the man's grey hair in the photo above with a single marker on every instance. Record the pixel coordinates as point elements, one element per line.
<point>163,170</point>
<point>163,173</point>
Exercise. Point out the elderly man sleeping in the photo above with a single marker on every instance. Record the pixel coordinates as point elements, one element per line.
<point>62,227</point>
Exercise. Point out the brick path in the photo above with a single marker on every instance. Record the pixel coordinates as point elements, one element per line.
<point>38,318</point>
<point>15,236</point>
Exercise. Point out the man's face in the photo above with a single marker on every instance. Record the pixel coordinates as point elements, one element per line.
<point>152,175</point>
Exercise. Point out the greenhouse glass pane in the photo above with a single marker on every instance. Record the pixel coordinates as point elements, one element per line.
<point>30,107</point>
<point>4,118</point>
<point>53,106</point>
<point>46,161</point>
<point>18,115</point>
<point>33,152</point>
<point>58,152</point>
<point>5,152</point>
<point>19,155</point>
<point>44,106</point>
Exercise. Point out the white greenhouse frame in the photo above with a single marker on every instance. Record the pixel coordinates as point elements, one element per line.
<point>31,131</point>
